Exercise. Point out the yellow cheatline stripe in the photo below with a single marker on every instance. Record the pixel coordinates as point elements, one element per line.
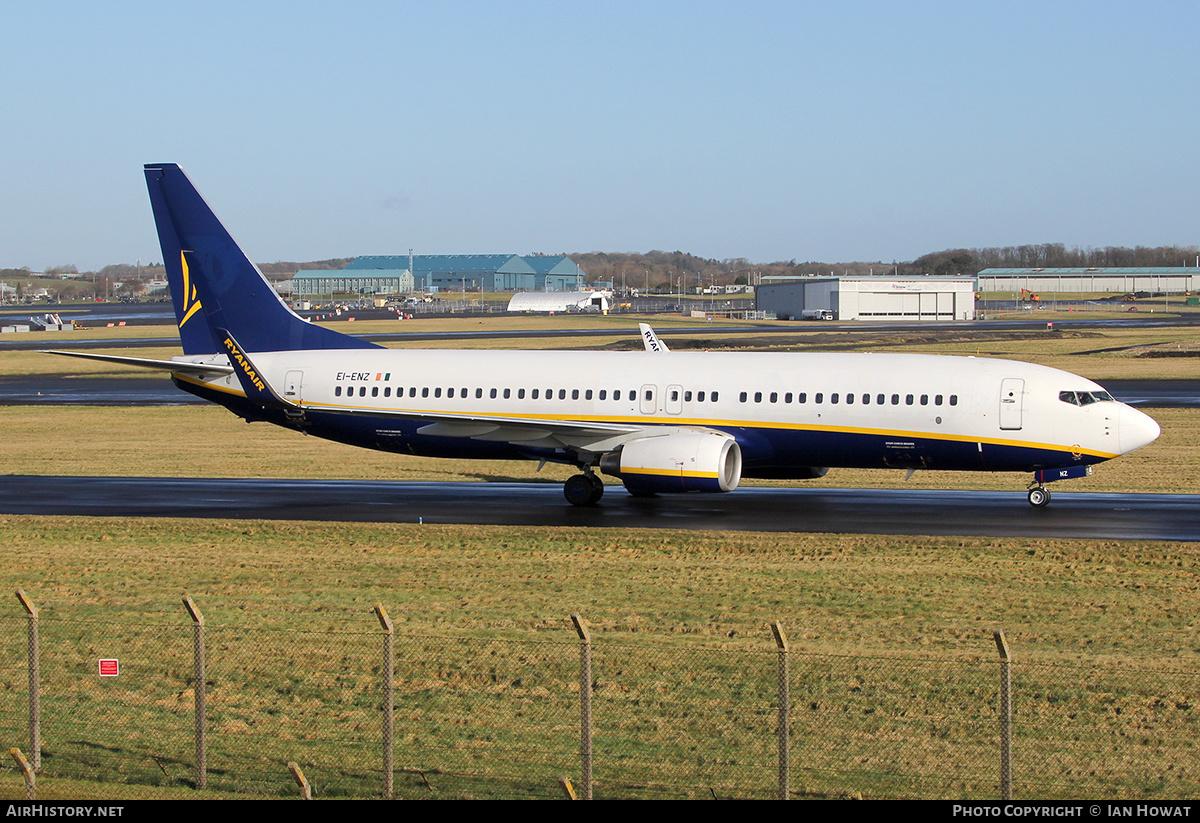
<point>699,422</point>
<point>744,424</point>
<point>667,472</point>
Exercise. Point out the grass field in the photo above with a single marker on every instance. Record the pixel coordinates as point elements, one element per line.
<point>894,688</point>
<point>893,662</point>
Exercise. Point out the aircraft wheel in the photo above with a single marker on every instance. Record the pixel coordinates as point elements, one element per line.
<point>580,491</point>
<point>1038,497</point>
<point>597,487</point>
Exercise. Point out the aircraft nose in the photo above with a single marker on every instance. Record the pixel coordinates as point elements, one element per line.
<point>1135,429</point>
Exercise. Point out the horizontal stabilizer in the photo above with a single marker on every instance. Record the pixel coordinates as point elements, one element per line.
<point>182,367</point>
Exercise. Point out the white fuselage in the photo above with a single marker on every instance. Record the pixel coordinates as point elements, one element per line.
<point>901,410</point>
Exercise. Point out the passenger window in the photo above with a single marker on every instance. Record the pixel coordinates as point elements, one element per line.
<point>742,397</point>
<point>412,391</point>
<point>787,397</point>
<point>562,394</point>
<point>337,391</point>
<point>937,400</point>
<point>774,397</point>
<point>507,393</point>
<point>479,393</point>
<point>802,397</point>
<point>437,392</point>
<point>534,394</point>
<point>819,397</point>
<point>924,400</point>
<point>699,397</point>
<point>954,400</point>
<point>587,395</point>
<point>362,391</point>
<point>712,398</point>
<point>833,398</point>
<point>687,396</point>
<point>649,394</point>
<point>758,397</point>
<point>880,399</point>
<point>387,391</point>
<point>866,399</point>
<point>520,394</point>
<point>616,394</point>
<point>492,394</point>
<point>574,394</point>
<point>374,391</point>
<point>449,392</point>
<point>604,394</point>
<point>908,400</point>
<point>849,398</point>
<point>895,400</point>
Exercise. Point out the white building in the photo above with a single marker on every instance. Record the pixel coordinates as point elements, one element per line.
<point>869,298</point>
<point>556,301</point>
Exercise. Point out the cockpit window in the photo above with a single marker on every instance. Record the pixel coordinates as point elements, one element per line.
<point>1084,398</point>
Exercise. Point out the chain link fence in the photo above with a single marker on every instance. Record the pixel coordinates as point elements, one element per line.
<point>200,709</point>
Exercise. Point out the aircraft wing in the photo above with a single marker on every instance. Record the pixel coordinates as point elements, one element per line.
<point>520,431</point>
<point>200,369</point>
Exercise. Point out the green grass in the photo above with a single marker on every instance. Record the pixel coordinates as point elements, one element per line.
<point>893,665</point>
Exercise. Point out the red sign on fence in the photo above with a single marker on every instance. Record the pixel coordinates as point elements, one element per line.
<point>110,668</point>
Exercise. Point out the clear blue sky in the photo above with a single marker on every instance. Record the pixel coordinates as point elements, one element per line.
<point>772,131</point>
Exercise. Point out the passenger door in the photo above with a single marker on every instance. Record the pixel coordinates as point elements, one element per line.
<point>1012,393</point>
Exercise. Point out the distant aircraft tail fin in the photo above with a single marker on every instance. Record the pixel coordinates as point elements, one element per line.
<point>650,339</point>
<point>213,283</point>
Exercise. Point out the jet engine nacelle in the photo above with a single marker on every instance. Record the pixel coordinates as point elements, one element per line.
<point>682,461</point>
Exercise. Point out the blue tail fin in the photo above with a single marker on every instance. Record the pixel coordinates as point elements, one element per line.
<point>215,286</point>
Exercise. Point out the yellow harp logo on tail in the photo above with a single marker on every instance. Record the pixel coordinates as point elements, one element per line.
<point>191,303</point>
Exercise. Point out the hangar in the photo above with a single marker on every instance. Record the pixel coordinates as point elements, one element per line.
<point>1109,280</point>
<point>868,298</point>
<point>317,282</point>
<point>403,273</point>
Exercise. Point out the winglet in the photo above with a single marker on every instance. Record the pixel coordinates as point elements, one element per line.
<point>253,381</point>
<point>650,339</point>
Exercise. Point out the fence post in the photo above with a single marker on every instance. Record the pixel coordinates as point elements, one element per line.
<point>198,678</point>
<point>1005,715</point>
<point>301,780</point>
<point>26,772</point>
<point>389,679</point>
<point>35,703</point>
<point>784,700</point>
<point>585,706</point>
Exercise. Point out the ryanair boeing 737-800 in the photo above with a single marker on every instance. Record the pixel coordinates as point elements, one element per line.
<point>660,421</point>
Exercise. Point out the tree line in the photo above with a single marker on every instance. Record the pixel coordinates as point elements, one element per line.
<point>670,271</point>
<point>659,269</point>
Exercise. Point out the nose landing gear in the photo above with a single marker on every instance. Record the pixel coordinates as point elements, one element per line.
<point>1038,496</point>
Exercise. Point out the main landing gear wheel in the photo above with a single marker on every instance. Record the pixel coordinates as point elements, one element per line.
<point>583,490</point>
<point>1038,497</point>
